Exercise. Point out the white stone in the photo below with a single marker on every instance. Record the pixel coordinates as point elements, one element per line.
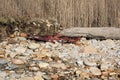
<point>95,71</point>
<point>90,63</point>
<point>104,66</point>
<point>43,65</point>
<point>33,46</point>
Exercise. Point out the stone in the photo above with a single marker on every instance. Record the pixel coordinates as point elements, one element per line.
<point>38,76</point>
<point>95,71</point>
<point>20,50</point>
<point>18,61</point>
<point>41,55</point>
<point>33,46</point>
<point>54,76</point>
<point>2,52</point>
<point>89,49</point>
<point>27,78</point>
<point>3,61</point>
<point>23,34</point>
<point>12,41</point>
<point>104,66</point>
<point>43,65</point>
<point>90,63</point>
<point>80,62</point>
<point>11,66</point>
<point>105,73</point>
<point>34,68</point>
<point>85,75</point>
<point>22,38</point>
<point>58,65</point>
<point>12,36</point>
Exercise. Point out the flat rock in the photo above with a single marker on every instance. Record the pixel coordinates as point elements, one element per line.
<point>58,65</point>
<point>43,65</point>
<point>38,76</point>
<point>33,46</point>
<point>18,61</point>
<point>105,66</point>
<point>90,63</point>
<point>95,71</point>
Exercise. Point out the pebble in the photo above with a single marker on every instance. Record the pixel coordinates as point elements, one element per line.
<point>90,63</point>
<point>95,71</point>
<point>27,78</point>
<point>58,65</point>
<point>20,50</point>
<point>80,63</point>
<point>3,61</point>
<point>38,76</point>
<point>34,68</point>
<point>105,66</point>
<point>33,46</point>
<point>18,62</point>
<point>43,65</point>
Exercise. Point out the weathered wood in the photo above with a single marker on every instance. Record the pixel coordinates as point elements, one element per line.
<point>106,32</point>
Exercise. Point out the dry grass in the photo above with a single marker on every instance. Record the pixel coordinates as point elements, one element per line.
<point>70,13</point>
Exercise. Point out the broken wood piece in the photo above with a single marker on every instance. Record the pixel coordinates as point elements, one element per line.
<point>103,32</point>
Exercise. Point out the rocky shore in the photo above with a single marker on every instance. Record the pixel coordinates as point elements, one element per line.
<point>23,59</point>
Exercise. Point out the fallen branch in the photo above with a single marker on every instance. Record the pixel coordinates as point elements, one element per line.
<point>100,32</point>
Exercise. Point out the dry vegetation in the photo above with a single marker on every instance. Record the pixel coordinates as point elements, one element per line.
<point>86,13</point>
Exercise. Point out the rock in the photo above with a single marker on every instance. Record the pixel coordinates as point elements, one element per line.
<point>18,62</point>
<point>85,75</point>
<point>54,76</point>
<point>2,52</point>
<point>43,65</point>
<point>33,46</point>
<point>34,68</point>
<point>12,41</point>
<point>90,63</point>
<point>105,73</point>
<point>22,38</point>
<point>95,71</point>
<point>58,65</point>
<point>38,76</point>
<point>90,49</point>
<point>20,50</point>
<point>80,62</point>
<point>27,78</point>
<point>104,66</point>
<point>11,66</point>
<point>95,79</point>
<point>3,61</point>
<point>12,36</point>
<point>23,34</point>
<point>41,55</point>
<point>112,73</point>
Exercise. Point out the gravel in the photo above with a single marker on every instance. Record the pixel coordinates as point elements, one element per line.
<point>93,59</point>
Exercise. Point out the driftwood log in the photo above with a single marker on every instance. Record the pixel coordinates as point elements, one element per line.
<point>94,32</point>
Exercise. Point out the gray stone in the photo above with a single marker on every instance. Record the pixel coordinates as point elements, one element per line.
<point>3,61</point>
